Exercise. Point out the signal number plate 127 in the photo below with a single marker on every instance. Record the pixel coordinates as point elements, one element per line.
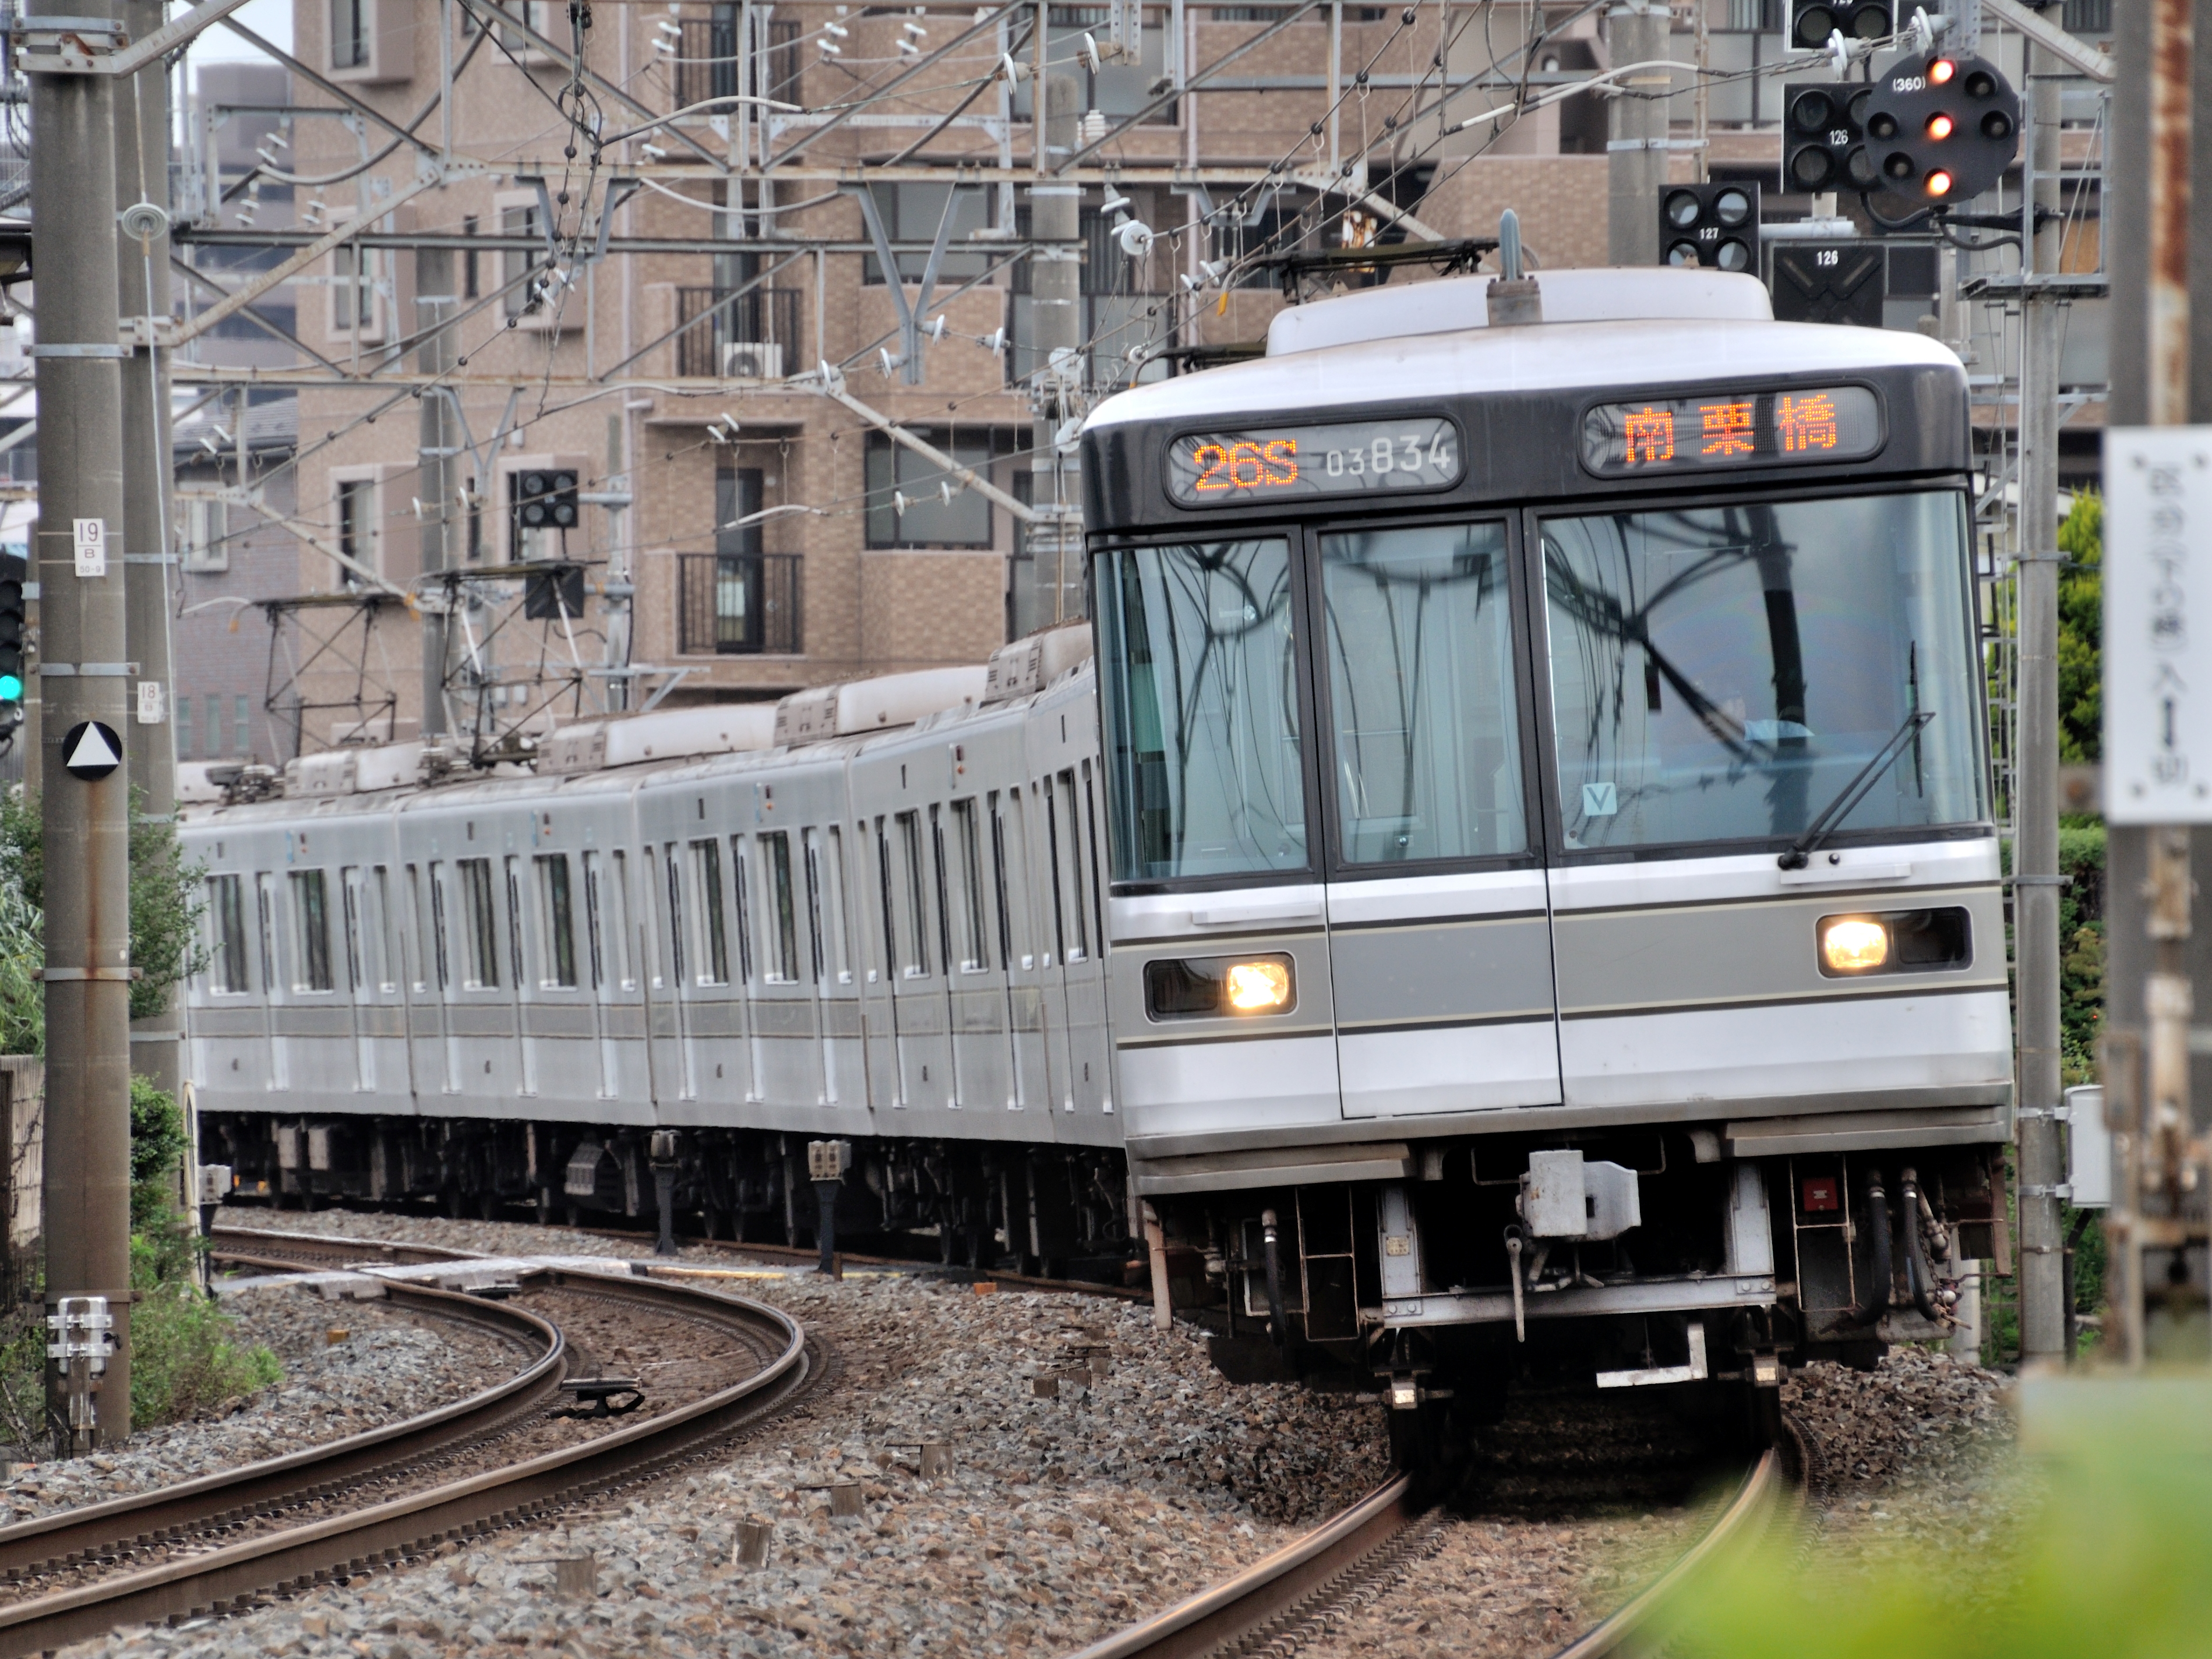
<point>1284,463</point>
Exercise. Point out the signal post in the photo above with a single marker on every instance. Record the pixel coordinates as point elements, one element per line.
<point>77,560</point>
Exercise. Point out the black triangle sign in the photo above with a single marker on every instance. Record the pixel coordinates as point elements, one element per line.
<point>91,750</point>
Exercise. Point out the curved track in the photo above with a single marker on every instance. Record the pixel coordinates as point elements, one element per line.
<point>216,1579</point>
<point>1275,1600</point>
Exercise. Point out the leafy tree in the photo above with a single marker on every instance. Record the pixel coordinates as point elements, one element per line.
<point>2080,620</point>
<point>165,912</point>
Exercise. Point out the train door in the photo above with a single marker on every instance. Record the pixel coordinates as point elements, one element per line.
<point>787,950</point>
<point>1087,1043</point>
<point>982,1059</point>
<point>1020,947</point>
<point>844,1073</point>
<point>925,1039</point>
<point>272,987</point>
<point>525,952</point>
<point>361,986</point>
<point>879,954</point>
<point>1439,935</point>
<point>432,1020</point>
<point>673,969</point>
<point>608,958</point>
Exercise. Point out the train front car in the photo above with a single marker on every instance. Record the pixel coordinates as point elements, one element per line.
<point>1556,914</point>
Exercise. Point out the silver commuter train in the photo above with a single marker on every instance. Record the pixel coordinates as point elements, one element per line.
<point>1555,908</point>
<point>871,913</point>
<point>1564,962</point>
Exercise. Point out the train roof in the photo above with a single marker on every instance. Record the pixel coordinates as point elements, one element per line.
<point>1412,364</point>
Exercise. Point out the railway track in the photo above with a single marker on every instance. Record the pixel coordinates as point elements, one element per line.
<point>1277,1604</point>
<point>189,1525</point>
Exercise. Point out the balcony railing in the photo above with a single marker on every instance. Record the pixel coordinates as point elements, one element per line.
<point>753,337</point>
<point>744,603</point>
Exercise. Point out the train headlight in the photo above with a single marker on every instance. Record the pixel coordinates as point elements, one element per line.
<point>1853,945</point>
<point>1219,987</point>
<point>1258,987</point>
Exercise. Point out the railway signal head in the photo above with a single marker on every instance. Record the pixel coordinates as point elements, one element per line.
<point>1812,21</point>
<point>14,570</point>
<point>545,498</point>
<point>1825,140</point>
<point>1940,128</point>
<point>1714,225</point>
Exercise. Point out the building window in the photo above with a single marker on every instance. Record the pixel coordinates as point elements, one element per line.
<point>471,276</point>
<point>205,528</point>
<point>354,274</point>
<point>356,515</point>
<point>242,741</point>
<point>184,728</point>
<point>349,25</point>
<point>928,517</point>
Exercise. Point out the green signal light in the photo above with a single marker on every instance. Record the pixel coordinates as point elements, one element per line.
<point>11,688</point>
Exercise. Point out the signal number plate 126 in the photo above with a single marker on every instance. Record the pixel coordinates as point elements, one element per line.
<point>1351,458</point>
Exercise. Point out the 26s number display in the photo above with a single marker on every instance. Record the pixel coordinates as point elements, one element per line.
<point>1351,458</point>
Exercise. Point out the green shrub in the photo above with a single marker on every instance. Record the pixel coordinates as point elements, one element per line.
<point>185,1357</point>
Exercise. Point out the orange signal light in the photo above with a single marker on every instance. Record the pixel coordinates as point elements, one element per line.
<point>1939,182</point>
<point>1941,72</point>
<point>1939,127</point>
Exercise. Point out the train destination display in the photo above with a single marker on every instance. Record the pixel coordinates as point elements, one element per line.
<point>1732,430</point>
<point>1351,458</point>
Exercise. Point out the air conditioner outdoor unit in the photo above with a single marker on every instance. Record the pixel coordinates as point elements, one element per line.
<point>752,360</point>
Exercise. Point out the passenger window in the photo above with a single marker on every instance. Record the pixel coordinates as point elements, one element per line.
<point>620,928</point>
<point>265,904</point>
<point>968,859</point>
<point>813,838</point>
<point>782,918</point>
<point>714,942</point>
<point>1421,694</point>
<point>381,935</point>
<point>594,923</point>
<point>943,904</point>
<point>1071,835</point>
<point>884,898</point>
<point>1051,859</point>
<point>349,896</point>
<point>556,922</point>
<point>311,931</point>
<point>741,876</point>
<point>226,914</point>
<point>480,918</point>
<point>1091,847</point>
<point>513,873</point>
<point>675,889</point>
<point>438,924</point>
<point>917,911</point>
<point>835,925</point>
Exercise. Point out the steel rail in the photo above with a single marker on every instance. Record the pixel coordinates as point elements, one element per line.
<point>1742,1523</point>
<point>148,1518</point>
<point>409,1525</point>
<point>1238,1605</point>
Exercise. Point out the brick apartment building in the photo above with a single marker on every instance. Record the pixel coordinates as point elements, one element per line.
<point>775,538</point>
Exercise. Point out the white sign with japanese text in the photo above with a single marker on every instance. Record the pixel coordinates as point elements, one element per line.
<point>2158,624</point>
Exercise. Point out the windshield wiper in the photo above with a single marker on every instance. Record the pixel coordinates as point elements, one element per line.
<point>1799,852</point>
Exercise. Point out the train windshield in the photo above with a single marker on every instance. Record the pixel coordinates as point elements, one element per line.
<point>1420,691</point>
<point>1201,699</point>
<point>1727,673</point>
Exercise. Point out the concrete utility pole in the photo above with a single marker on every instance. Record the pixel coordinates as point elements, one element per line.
<point>150,548</point>
<point>83,671</point>
<point>2035,777</point>
<point>2158,1217</point>
<point>437,438</point>
<point>1636,149</point>
<point>1055,325</point>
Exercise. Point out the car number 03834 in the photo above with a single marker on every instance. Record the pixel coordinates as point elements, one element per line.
<point>1216,468</point>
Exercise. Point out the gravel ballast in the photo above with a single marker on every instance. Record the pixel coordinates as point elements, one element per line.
<point>391,1365</point>
<point>1143,1479</point>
